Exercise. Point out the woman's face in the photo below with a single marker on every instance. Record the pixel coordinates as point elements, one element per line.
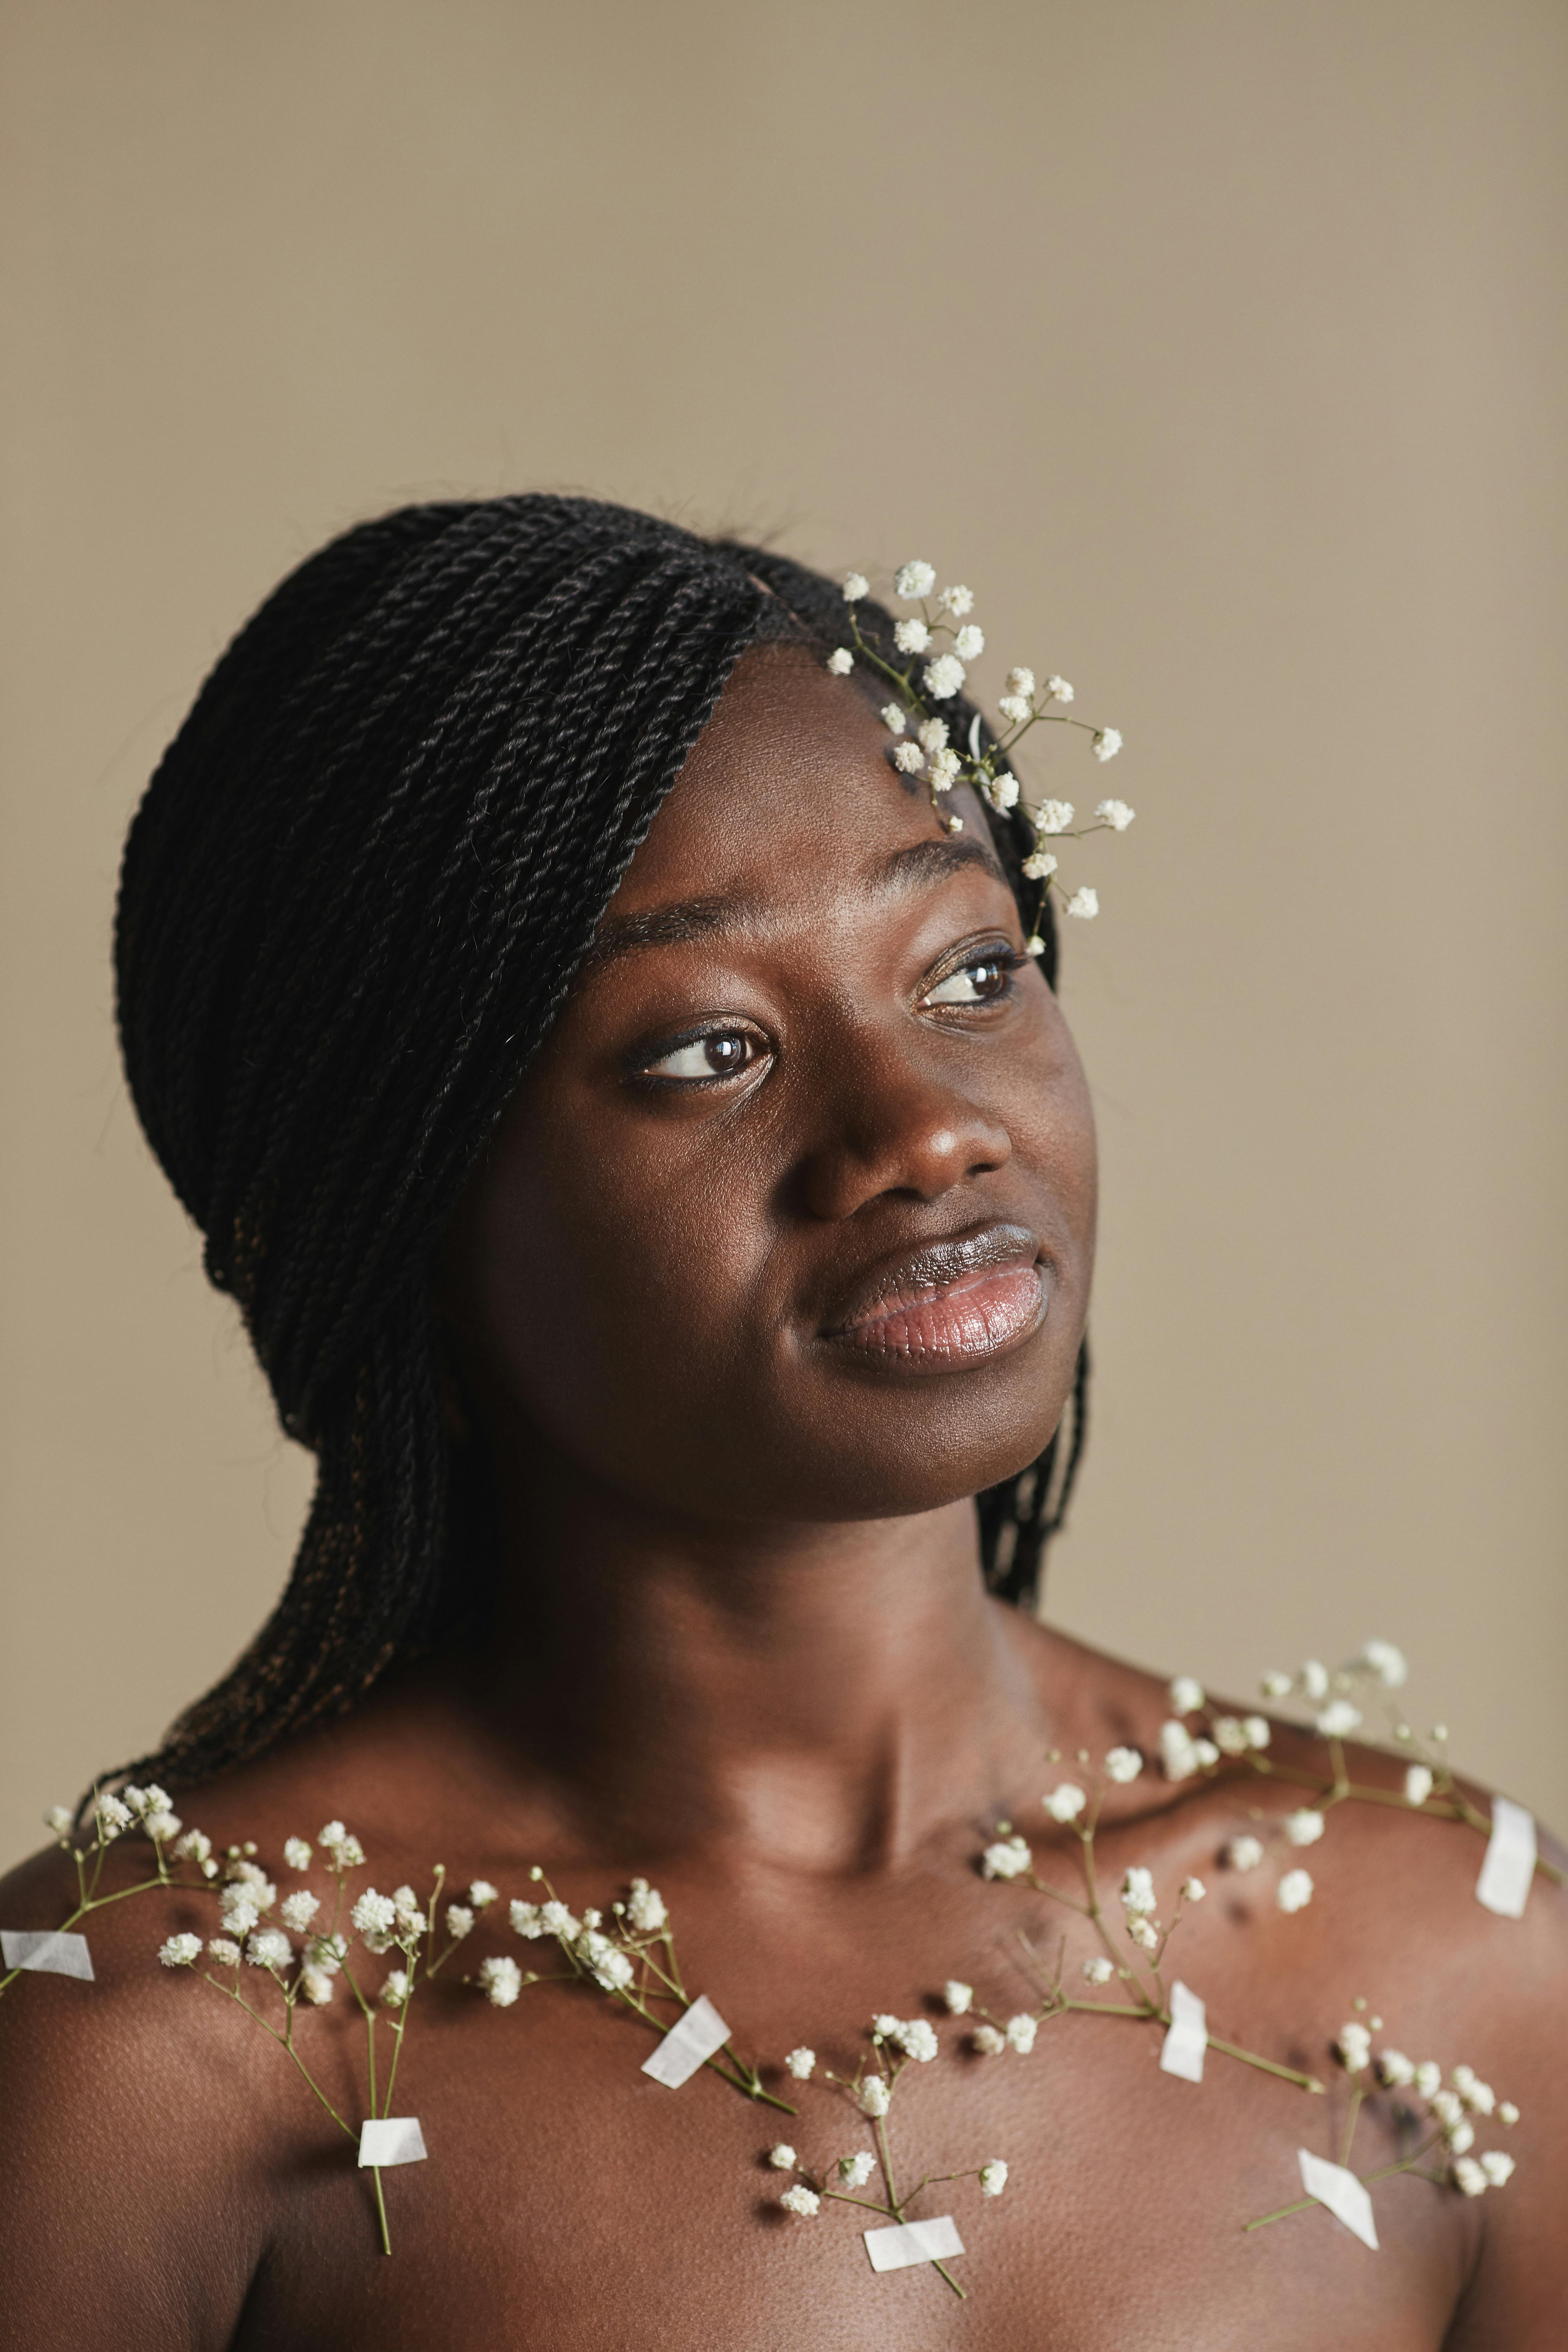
<point>793,1218</point>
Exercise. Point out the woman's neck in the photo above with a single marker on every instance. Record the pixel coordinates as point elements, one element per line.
<point>825,1698</point>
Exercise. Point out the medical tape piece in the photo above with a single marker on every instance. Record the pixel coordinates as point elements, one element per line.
<point>1181,2051</point>
<point>1509,1866</point>
<point>912,2242</point>
<point>391,2139</point>
<point>690,2040</point>
<point>51,1950</point>
<point>1342,2192</point>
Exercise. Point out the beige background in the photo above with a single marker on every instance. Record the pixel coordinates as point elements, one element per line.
<point>1221,346</point>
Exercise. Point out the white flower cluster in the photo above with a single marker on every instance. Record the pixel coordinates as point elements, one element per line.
<point>937,643</point>
<point>1451,2109</point>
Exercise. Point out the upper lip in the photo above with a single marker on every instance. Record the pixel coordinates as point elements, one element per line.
<point>900,1279</point>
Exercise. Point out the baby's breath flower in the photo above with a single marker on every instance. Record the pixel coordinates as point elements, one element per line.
<point>840,662</point>
<point>459,1921</point>
<point>1142,1933</point>
<point>1107,743</point>
<point>1242,1853</point>
<point>1204,1752</point>
<point>1395,2071</point>
<point>411,1920</point>
<point>1013,709</point>
<point>1479,2096</point>
<point>1066,1802</point>
<point>161,1824</point>
<point>297,1852</point>
<point>969,644</point>
<point>913,579</point>
<point>1428,2078</point>
<point>298,1909</point>
<point>1497,2167</point>
<point>557,1920</point>
<point>1009,1858</point>
<point>916,2037</point>
<point>1002,790</point>
<point>803,2203</point>
<point>316,1985</point>
<point>944,769</point>
<point>1053,816</point>
<point>1294,1891</point>
<point>993,2178</point>
<point>1057,690</point>
<point>909,758</point>
<point>1258,1730</point>
<point>395,1992</point>
<point>1099,1970</point>
<point>1447,2107</point>
<point>1313,1681</point>
<point>1339,1718</point>
<point>112,1817</point>
<point>501,1980</point>
<point>180,1951</point>
<point>856,587</point>
<point>958,1997</point>
<point>1460,2136</point>
<point>1303,1827</point>
<point>648,1909</point>
<point>884,2025</point>
<point>931,734</point>
<point>910,635</point>
<point>1021,2033</point>
<point>1387,1663</point>
<point>988,2042</point>
<point>1275,1684</point>
<point>1507,2112</point>
<point>269,1948</point>
<point>871,2097</point>
<point>1038,868</point>
<point>374,1913</point>
<point>1352,2047</point>
<point>1021,681</point>
<point>1116,814</point>
<point>800,2062</point>
<point>781,2156</point>
<point>943,678</point>
<point>1418,1784</point>
<point>224,1951</point>
<point>526,1921</point>
<point>856,2170</point>
<point>1178,1752</point>
<point>1193,1889</point>
<point>345,1848</point>
<point>1185,1695</point>
<point>60,1819</point>
<point>1033,945</point>
<point>1123,1763</point>
<point>1469,2177</point>
<point>194,1846</point>
<point>957,600</point>
<point>1230,1734</point>
<point>236,1912</point>
<point>481,1893</point>
<point>893,718</point>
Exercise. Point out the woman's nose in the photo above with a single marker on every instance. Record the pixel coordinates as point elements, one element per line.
<point>898,1127</point>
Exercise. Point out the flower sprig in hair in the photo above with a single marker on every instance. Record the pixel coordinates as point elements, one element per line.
<point>939,641</point>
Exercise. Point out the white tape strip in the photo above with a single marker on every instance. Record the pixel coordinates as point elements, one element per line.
<point>690,2040</point>
<point>1342,2192</point>
<point>1509,1866</point>
<point>391,2139</point>
<point>51,1950</point>
<point>912,2242</point>
<point>1181,2051</point>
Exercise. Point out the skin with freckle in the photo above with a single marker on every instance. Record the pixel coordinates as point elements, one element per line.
<point>782,1252</point>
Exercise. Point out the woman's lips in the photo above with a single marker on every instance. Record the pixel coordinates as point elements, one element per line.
<point>951,1306</point>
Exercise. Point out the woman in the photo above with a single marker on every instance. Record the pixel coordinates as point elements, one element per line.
<point>661,1185</point>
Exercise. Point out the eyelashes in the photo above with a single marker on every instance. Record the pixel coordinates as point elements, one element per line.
<point>981,980</point>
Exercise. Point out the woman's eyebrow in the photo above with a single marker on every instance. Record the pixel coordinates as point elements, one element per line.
<point>696,918</point>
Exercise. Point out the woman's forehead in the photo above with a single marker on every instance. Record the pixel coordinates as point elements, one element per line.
<point>788,792</point>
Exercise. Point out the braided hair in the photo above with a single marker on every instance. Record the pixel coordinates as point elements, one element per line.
<point>353,901</point>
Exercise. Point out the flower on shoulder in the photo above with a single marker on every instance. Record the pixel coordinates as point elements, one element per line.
<point>1007,1858</point>
<point>781,2156</point>
<point>1242,1853</point>
<point>989,2042</point>
<point>803,2203</point>
<point>1303,1827</point>
<point>298,1909</point>
<point>1099,1970</point>
<point>1107,743</point>
<point>800,2062</point>
<point>501,1980</point>
<point>958,1997</point>
<point>180,1951</point>
<point>297,1852</point>
<point>872,2096</point>
<point>856,2170</point>
<point>1021,2033</point>
<point>395,1992</point>
<point>840,662</point>
<point>1124,1764</point>
<point>1065,1802</point>
<point>993,2178</point>
<point>913,579</point>
<point>459,1921</point>
<point>1294,1891</point>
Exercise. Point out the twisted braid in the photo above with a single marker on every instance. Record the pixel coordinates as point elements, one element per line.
<point>353,902</point>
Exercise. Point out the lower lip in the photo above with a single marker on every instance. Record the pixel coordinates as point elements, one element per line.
<point>959,1324</point>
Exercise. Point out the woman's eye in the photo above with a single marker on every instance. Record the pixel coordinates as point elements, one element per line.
<point>719,1054</point>
<point>983,981</point>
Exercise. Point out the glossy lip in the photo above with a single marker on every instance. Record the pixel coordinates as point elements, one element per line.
<point>951,1306</point>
